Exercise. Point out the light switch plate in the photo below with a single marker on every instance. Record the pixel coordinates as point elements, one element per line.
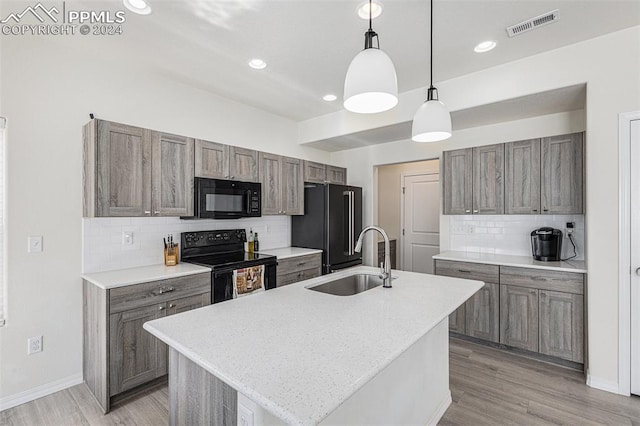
<point>34,244</point>
<point>127,238</point>
<point>245,416</point>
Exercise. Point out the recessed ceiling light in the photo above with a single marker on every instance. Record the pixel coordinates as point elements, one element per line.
<point>376,10</point>
<point>257,64</point>
<point>140,7</point>
<point>330,97</point>
<point>485,46</point>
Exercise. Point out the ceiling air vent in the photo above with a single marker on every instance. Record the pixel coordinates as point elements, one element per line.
<point>533,23</point>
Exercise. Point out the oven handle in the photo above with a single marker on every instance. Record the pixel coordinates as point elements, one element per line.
<point>218,272</point>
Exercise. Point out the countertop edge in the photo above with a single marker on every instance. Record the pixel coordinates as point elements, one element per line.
<point>152,277</point>
<point>461,258</point>
<point>302,252</point>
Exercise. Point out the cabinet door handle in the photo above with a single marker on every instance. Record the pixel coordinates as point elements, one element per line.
<point>475,211</point>
<point>161,308</point>
<point>467,211</point>
<point>156,212</point>
<point>171,305</point>
<point>534,210</point>
<point>545,209</point>
<point>533,292</point>
<point>232,177</point>
<point>147,212</point>
<point>543,294</point>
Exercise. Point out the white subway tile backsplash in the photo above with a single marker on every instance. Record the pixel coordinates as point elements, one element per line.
<point>510,234</point>
<point>102,247</point>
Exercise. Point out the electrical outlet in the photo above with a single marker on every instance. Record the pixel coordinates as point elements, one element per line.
<point>245,416</point>
<point>34,244</point>
<point>34,345</point>
<point>267,229</point>
<point>127,238</point>
<point>570,228</point>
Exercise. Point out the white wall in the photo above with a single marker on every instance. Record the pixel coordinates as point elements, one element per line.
<point>49,86</point>
<point>102,248</point>
<point>610,66</point>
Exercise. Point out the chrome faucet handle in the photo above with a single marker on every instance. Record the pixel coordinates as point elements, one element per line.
<point>383,272</point>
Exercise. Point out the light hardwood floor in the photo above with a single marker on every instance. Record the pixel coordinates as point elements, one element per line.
<point>489,387</point>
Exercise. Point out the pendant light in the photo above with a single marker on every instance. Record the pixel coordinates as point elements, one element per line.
<point>432,121</point>
<point>371,84</point>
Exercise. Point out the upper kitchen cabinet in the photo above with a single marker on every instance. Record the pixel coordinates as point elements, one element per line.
<point>323,173</point>
<point>561,174</point>
<point>488,184</point>
<point>211,160</point>
<point>522,177</point>
<point>282,185</point>
<point>458,172</point>
<point>218,161</point>
<point>129,171</point>
<point>171,175</point>
<point>544,176</point>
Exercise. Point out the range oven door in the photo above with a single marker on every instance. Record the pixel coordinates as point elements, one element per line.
<point>226,199</point>
<point>222,282</point>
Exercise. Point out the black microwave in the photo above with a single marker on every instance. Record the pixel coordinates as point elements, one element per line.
<point>226,199</point>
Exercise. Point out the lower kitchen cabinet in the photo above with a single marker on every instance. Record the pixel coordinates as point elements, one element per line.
<point>519,317</point>
<point>299,268</point>
<point>118,354</point>
<point>536,310</point>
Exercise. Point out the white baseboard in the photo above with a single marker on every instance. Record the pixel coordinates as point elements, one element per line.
<point>40,391</point>
<point>605,385</point>
<point>442,408</point>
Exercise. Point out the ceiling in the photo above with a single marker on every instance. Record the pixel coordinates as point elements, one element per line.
<point>572,98</point>
<point>308,44</point>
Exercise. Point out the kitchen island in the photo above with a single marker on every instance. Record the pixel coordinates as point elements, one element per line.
<point>296,356</point>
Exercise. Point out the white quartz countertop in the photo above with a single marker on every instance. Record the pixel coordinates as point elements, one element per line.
<point>507,260</point>
<point>300,353</point>
<point>286,252</point>
<point>130,276</point>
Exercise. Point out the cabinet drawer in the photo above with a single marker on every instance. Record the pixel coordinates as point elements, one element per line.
<point>568,282</point>
<point>472,271</point>
<point>294,264</point>
<point>294,277</point>
<point>134,296</point>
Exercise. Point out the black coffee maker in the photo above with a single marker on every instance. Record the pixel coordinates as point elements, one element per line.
<point>546,244</point>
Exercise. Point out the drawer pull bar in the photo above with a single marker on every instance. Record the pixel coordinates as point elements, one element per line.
<point>301,263</point>
<point>164,290</point>
<point>539,278</point>
<point>464,271</point>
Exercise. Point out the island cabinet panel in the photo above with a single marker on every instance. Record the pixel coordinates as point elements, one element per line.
<point>211,160</point>
<point>123,170</point>
<point>482,313</point>
<point>315,172</point>
<point>561,325</point>
<point>282,185</point>
<point>136,357</point>
<point>299,268</point>
<point>522,177</point>
<point>562,174</point>
<point>118,353</point>
<point>243,164</point>
<point>172,178</point>
<point>337,175</point>
<point>458,176</point>
<point>519,317</point>
<point>488,183</point>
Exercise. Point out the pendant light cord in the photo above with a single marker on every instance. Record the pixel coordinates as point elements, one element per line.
<point>370,19</point>
<point>431,47</point>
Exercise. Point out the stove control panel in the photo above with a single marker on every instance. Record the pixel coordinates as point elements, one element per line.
<point>213,238</point>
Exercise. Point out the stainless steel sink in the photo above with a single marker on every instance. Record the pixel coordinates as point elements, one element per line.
<point>348,286</point>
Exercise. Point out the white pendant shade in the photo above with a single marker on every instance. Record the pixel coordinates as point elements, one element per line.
<point>431,123</point>
<point>371,84</point>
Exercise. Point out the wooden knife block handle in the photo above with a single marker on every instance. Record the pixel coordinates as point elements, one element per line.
<point>171,259</point>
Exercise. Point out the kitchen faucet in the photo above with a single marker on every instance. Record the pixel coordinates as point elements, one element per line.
<point>385,268</point>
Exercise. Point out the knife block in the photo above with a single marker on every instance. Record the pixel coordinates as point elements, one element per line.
<point>171,256</point>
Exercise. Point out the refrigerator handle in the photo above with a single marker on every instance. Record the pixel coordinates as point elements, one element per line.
<point>350,224</point>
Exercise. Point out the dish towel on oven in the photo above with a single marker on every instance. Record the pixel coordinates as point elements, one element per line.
<point>248,281</point>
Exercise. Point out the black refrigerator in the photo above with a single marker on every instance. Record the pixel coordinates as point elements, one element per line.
<point>332,222</point>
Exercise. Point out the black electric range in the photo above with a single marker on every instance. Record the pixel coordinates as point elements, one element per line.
<point>223,252</point>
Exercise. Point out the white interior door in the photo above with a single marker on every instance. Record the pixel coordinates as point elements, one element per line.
<point>421,222</point>
<point>635,257</point>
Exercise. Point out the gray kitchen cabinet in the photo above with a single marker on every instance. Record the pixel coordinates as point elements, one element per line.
<point>336,175</point>
<point>315,172</point>
<point>282,185</point>
<point>522,177</point>
<point>117,170</point>
<point>211,160</point>
<point>118,354</point>
<point>479,316</point>
<point>294,269</point>
<point>172,175</point>
<point>243,164</point>
<point>457,181</point>
<point>562,174</point>
<point>519,317</point>
<point>129,171</point>
<point>488,183</point>
<point>562,325</point>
